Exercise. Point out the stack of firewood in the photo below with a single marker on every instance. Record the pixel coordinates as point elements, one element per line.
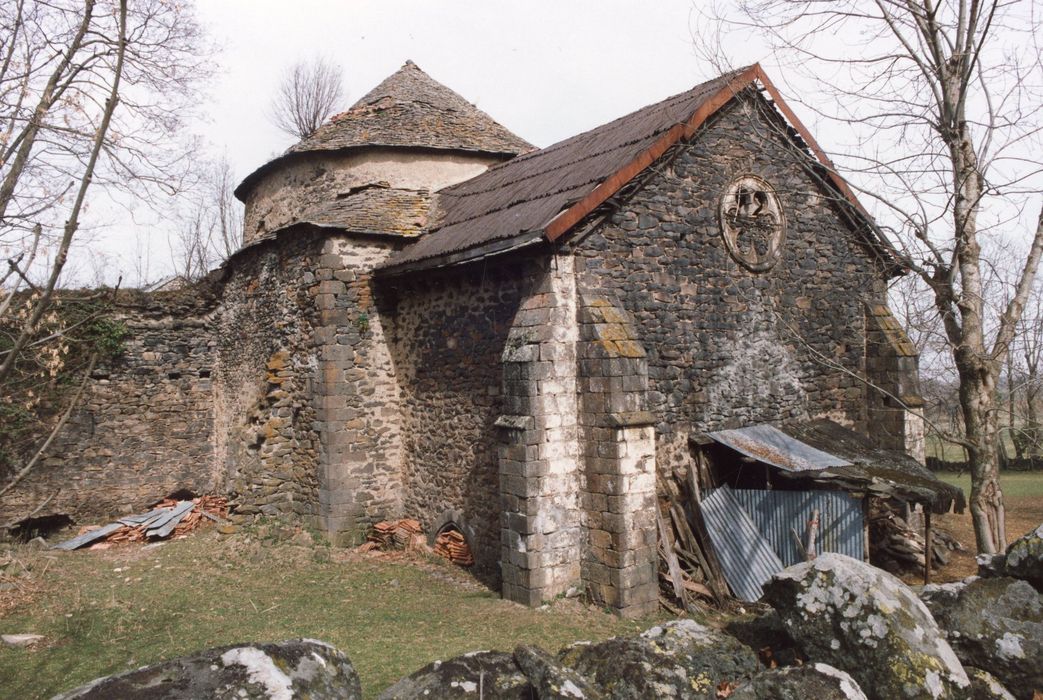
<point>452,545</point>
<point>395,535</point>
<point>898,547</point>
<point>688,570</point>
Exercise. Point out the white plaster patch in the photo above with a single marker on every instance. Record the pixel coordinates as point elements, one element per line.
<point>261,669</point>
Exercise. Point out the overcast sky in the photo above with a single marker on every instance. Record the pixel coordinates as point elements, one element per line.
<point>545,70</point>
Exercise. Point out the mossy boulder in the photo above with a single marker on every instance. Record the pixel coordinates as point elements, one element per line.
<point>808,682</point>
<point>866,622</point>
<point>679,659</point>
<point>994,624</point>
<point>552,679</point>
<point>1024,558</point>
<point>491,675</point>
<point>985,686</point>
<point>298,668</point>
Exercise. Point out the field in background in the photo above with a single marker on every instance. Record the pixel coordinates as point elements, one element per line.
<point>108,611</point>
<point>1023,496</point>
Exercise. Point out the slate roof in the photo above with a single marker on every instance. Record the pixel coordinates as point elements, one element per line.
<point>525,193</point>
<point>374,209</point>
<point>881,472</point>
<point>411,110</point>
<point>548,191</point>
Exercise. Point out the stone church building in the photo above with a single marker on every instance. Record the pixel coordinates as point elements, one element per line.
<point>431,318</point>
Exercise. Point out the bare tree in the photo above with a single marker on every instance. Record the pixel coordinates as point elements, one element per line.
<point>943,100</point>
<point>210,227</point>
<point>308,95</point>
<point>93,93</point>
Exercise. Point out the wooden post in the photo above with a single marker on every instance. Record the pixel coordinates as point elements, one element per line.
<point>928,546</point>
<point>811,549</point>
<point>865,527</point>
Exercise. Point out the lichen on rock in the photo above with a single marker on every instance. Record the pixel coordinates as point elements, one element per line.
<point>483,674</point>
<point>296,668</point>
<point>862,620</point>
<point>994,624</point>
<point>808,682</point>
<point>678,659</point>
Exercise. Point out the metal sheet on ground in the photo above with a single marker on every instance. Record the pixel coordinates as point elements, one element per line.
<point>746,558</point>
<point>165,525</point>
<point>88,537</point>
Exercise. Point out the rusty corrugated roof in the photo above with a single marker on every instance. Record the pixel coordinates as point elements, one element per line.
<point>410,110</point>
<point>766,443</point>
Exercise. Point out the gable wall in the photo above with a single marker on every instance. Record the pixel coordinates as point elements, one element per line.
<point>726,346</point>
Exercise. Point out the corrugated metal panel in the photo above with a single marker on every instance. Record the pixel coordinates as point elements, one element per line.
<point>776,514</point>
<point>747,559</point>
<point>766,443</point>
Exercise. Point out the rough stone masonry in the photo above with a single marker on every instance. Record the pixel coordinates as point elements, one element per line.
<point>432,318</point>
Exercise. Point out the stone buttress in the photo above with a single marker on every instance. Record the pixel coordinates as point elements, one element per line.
<point>577,462</point>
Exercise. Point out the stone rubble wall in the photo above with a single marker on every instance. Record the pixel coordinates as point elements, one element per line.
<point>355,391</point>
<point>268,438</point>
<point>307,400</point>
<point>446,332</point>
<point>728,347</point>
<point>144,426</point>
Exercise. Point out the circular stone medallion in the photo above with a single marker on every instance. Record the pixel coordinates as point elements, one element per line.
<point>752,223</point>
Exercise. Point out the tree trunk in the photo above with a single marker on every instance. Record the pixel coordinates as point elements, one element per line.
<point>979,415</point>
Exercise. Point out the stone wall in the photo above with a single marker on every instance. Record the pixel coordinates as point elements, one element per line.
<point>267,437</point>
<point>893,368</point>
<point>144,426</point>
<point>308,418</point>
<point>356,391</point>
<point>620,562</point>
<point>541,476</point>
<point>281,197</point>
<point>728,346</point>
<point>446,331</point>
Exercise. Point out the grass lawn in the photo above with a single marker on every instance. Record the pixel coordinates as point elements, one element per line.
<point>1016,485</point>
<point>113,610</point>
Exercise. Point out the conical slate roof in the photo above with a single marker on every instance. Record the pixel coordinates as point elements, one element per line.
<point>411,109</point>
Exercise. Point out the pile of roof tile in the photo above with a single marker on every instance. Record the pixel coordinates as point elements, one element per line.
<point>167,518</point>
<point>391,535</point>
<point>452,545</point>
